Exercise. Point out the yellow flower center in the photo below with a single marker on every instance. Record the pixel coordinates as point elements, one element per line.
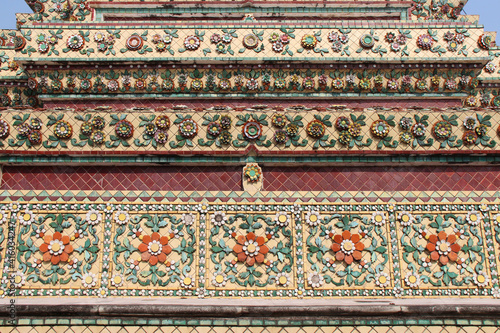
<point>251,248</point>
<point>378,218</point>
<point>282,218</point>
<point>14,207</point>
<point>187,281</point>
<point>481,279</point>
<point>93,217</point>
<point>219,279</point>
<point>412,279</point>
<point>443,247</point>
<point>56,247</point>
<point>405,218</point>
<point>313,218</point>
<point>122,217</point>
<point>18,279</point>
<point>283,280</point>
<point>117,280</point>
<point>26,217</point>
<point>348,246</point>
<point>382,279</point>
<point>473,217</point>
<point>89,280</point>
<point>154,247</point>
<point>498,218</point>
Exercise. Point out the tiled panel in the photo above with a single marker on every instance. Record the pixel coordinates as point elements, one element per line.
<point>428,178</point>
<point>304,250</point>
<point>153,178</point>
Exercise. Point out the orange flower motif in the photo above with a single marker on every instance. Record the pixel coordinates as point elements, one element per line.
<point>443,247</point>
<point>154,248</point>
<point>56,248</point>
<point>347,247</point>
<point>250,249</point>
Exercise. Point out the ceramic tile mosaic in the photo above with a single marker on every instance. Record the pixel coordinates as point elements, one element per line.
<point>123,178</point>
<point>214,151</point>
<point>268,130</point>
<point>152,178</point>
<point>267,250</point>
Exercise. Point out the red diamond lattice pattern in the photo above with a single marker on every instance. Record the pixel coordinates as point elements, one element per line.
<point>152,178</point>
<point>429,178</point>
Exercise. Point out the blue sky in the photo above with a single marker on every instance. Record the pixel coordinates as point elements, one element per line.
<point>488,9</point>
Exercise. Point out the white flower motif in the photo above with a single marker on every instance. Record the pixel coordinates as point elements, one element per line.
<point>405,218</point>
<point>219,279</point>
<point>313,218</point>
<point>470,122</point>
<point>202,208</point>
<point>18,279</point>
<point>473,217</point>
<point>218,219</point>
<point>495,292</point>
<point>315,280</point>
<point>122,217</point>
<point>378,218</point>
<point>412,280</point>
<point>481,279</point>
<point>282,279</point>
<point>496,219</point>
<point>282,219</point>
<point>192,43</point>
<point>102,292</point>
<point>117,280</point>
<point>109,208</point>
<point>188,219</point>
<point>93,217</point>
<point>187,282</point>
<point>484,207</point>
<point>14,207</point>
<point>26,218</point>
<point>89,280</point>
<point>3,216</point>
<point>382,279</point>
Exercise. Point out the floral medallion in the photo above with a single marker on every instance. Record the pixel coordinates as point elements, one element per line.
<point>188,128</point>
<point>4,129</point>
<point>252,130</point>
<point>309,42</point>
<point>425,42</point>
<point>134,43</point>
<point>367,41</point>
<point>192,43</point>
<point>75,42</point>
<point>252,173</point>
<point>124,129</point>
<point>380,128</point>
<point>485,41</point>
<point>316,129</point>
<point>250,41</point>
<point>442,130</point>
<point>63,129</point>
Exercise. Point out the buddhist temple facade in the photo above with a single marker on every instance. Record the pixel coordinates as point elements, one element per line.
<point>249,166</point>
